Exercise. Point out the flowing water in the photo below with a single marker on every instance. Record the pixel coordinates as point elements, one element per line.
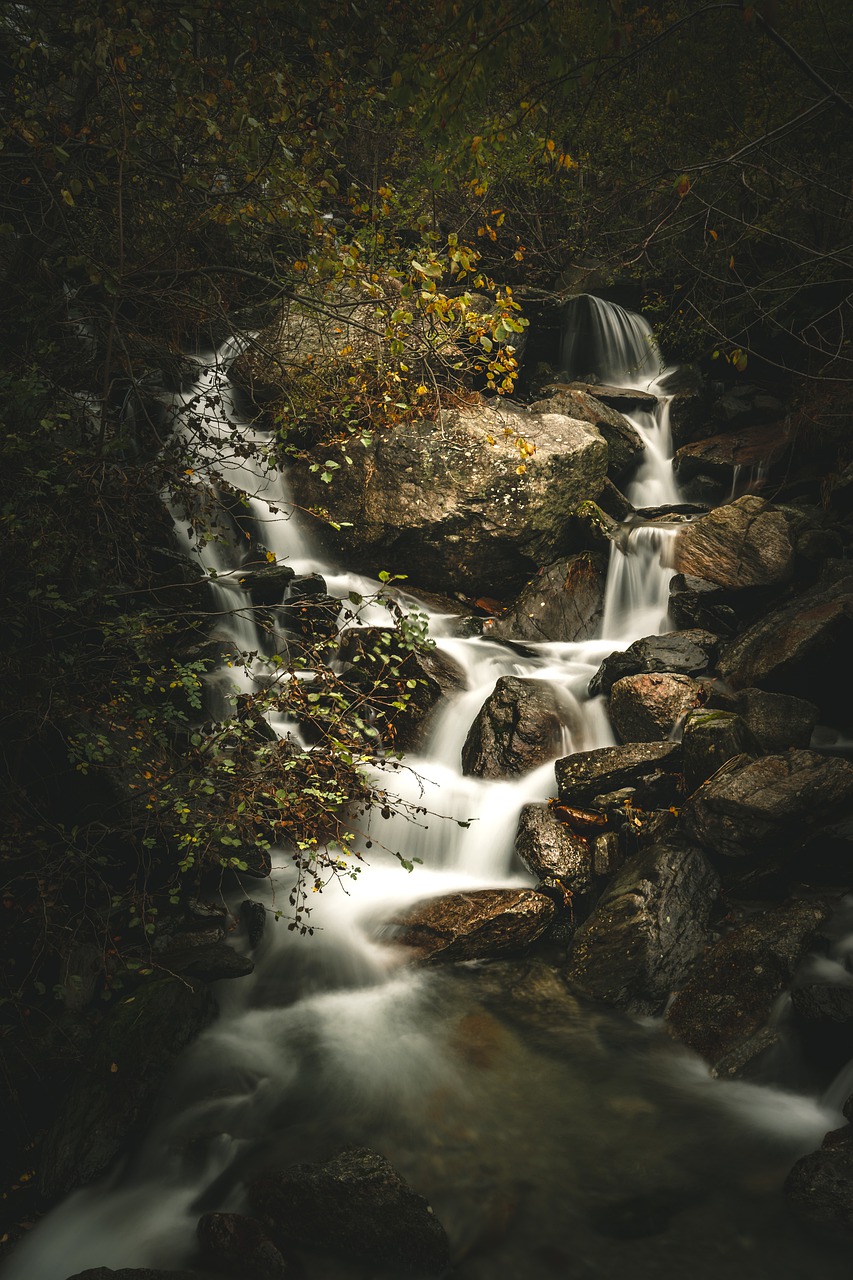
<point>551,1138</point>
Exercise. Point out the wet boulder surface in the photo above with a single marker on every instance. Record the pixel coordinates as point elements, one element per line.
<point>519,726</point>
<point>565,601</point>
<point>687,653</point>
<point>475,925</point>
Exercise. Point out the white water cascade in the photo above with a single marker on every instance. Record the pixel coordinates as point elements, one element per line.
<point>521,1135</point>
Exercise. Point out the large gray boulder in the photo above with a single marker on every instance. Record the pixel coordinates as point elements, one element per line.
<point>624,443</point>
<point>563,602</point>
<point>518,727</point>
<point>456,503</point>
<point>746,543</point>
<point>763,809</point>
<point>647,930</point>
<point>475,925</point>
<point>355,1205</point>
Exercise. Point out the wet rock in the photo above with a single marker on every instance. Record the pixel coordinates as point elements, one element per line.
<point>595,528</point>
<point>241,1246</point>
<point>730,996</point>
<point>746,543</point>
<point>624,443</point>
<point>267,583</point>
<point>777,720</point>
<point>140,1273</point>
<point>208,963</point>
<point>709,739</point>
<point>313,617</point>
<point>648,770</point>
<point>623,399</point>
<point>762,809</point>
<point>746,405</point>
<point>548,847</point>
<point>824,1012</point>
<point>254,918</point>
<point>755,1058</point>
<point>518,727</point>
<point>802,647</point>
<point>118,1081</point>
<point>355,1205</point>
<point>696,603</point>
<point>440,503</point>
<point>819,1188</point>
<point>647,930</point>
<point>747,460</point>
<point>646,708</point>
<point>687,653</point>
<point>474,925</point>
<point>563,602</point>
<point>608,854</point>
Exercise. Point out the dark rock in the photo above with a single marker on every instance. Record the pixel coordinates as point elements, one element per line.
<point>595,528</point>
<point>731,994</point>
<point>708,740</point>
<point>563,602</point>
<point>651,770</point>
<point>440,503</point>
<point>747,405</point>
<point>624,443</point>
<point>733,463</point>
<point>696,603</point>
<point>355,1205</point>
<point>548,847</point>
<point>636,1217</point>
<point>254,917</point>
<point>623,399</point>
<point>647,929</point>
<point>518,727</point>
<point>687,653</point>
<point>608,854</point>
<point>117,1083</point>
<point>777,720</point>
<point>802,647</point>
<point>307,584</point>
<point>241,1246</point>
<point>824,1011</point>
<point>754,1058</point>
<point>139,1273</point>
<point>764,808</point>
<point>646,708</point>
<point>477,924</point>
<point>819,1188</point>
<point>209,963</point>
<point>314,617</point>
<point>746,543</point>
<point>267,583</point>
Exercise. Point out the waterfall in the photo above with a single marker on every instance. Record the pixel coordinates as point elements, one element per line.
<point>335,1040</point>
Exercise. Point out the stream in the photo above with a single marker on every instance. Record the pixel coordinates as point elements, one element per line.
<point>552,1138</point>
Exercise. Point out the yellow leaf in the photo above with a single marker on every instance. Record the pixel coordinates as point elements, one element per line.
<point>732,263</point>
<point>712,234</point>
<point>520,470</point>
<point>682,185</point>
<point>113,1067</point>
<point>67,197</point>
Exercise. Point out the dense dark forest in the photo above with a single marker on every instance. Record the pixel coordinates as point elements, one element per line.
<point>388,210</point>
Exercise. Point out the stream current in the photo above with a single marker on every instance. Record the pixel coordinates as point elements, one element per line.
<point>551,1138</point>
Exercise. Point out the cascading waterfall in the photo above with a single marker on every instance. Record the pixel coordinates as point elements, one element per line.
<point>514,1135</point>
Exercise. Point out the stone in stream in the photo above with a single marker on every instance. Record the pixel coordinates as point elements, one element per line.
<point>824,1014</point>
<point>819,1188</point>
<point>647,708</point>
<point>688,653</point>
<point>730,995</point>
<point>267,583</point>
<point>802,647</point>
<point>254,918</point>
<point>357,1206</point>
<point>648,771</point>
<point>711,738</point>
<point>548,847</point>
<point>777,720</point>
<point>647,930</point>
<point>241,1247</point>
<point>696,603</point>
<point>746,543</point>
<point>565,601</point>
<point>474,925</point>
<point>750,458</point>
<point>518,727</point>
<point>765,809</point>
<point>624,442</point>
<point>118,1080</point>
<point>453,504</point>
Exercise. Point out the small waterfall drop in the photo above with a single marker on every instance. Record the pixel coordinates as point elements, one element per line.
<point>514,1130</point>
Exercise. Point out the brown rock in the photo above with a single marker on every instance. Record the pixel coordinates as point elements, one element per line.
<point>475,925</point>
<point>646,708</point>
<point>548,847</point>
<point>518,727</point>
<point>563,602</point>
<point>743,544</point>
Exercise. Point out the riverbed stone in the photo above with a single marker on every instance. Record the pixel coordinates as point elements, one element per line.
<point>241,1246</point>
<point>565,601</point>
<point>117,1083</point>
<point>453,504</point>
<point>697,603</point>
<point>747,459</point>
<point>549,848</point>
<point>646,708</point>
<point>624,442</point>
<point>355,1205</point>
<point>802,647</point>
<point>648,770</point>
<point>688,653</point>
<point>746,543</point>
<point>709,739</point>
<point>518,727</point>
<point>777,720</point>
<point>476,924</point>
<point>730,996</point>
<point>819,1188</point>
<point>763,809</point>
<point>647,930</point>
